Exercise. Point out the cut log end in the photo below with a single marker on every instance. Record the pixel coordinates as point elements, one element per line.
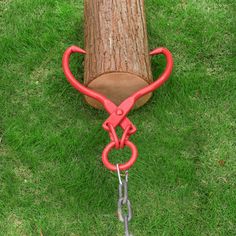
<point>117,86</point>
<point>117,62</point>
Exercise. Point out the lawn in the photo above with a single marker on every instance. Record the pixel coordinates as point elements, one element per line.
<point>52,181</point>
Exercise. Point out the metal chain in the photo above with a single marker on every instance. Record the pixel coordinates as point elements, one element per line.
<point>124,202</point>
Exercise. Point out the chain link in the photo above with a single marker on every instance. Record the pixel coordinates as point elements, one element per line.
<point>124,202</point>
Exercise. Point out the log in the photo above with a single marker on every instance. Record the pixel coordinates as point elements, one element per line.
<point>117,62</point>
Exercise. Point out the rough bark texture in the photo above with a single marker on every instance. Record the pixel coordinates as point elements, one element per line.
<point>117,61</point>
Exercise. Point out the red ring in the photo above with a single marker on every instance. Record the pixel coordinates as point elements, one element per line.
<point>122,167</point>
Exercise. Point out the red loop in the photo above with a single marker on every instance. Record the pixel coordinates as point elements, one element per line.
<point>122,167</point>
<point>113,135</point>
<point>125,136</point>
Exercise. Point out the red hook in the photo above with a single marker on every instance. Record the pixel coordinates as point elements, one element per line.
<point>118,113</point>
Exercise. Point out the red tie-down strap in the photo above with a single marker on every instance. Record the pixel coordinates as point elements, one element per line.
<point>118,114</point>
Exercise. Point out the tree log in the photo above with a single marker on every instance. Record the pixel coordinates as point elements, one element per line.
<point>117,62</point>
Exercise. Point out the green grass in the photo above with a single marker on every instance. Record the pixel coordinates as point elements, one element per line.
<point>51,177</point>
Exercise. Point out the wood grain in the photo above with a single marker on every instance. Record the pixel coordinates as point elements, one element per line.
<point>116,42</point>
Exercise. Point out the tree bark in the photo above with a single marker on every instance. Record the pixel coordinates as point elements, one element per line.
<point>117,62</point>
